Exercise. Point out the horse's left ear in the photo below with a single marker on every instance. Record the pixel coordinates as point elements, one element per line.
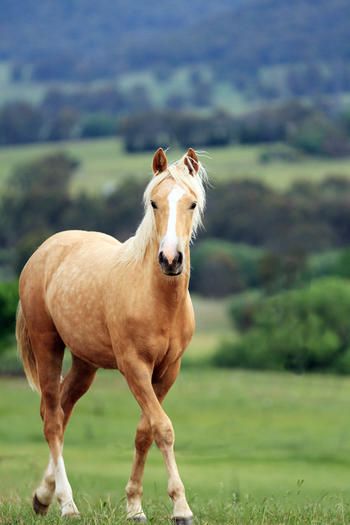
<point>191,161</point>
<point>160,162</point>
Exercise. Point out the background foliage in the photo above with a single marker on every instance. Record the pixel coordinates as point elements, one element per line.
<point>300,330</point>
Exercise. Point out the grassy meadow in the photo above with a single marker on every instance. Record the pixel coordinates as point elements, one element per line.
<point>257,448</point>
<point>252,448</point>
<point>103,163</point>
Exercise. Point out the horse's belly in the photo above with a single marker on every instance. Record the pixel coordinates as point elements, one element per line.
<point>87,339</point>
<point>88,342</point>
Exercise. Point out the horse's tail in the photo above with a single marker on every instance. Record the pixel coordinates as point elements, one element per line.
<point>25,350</point>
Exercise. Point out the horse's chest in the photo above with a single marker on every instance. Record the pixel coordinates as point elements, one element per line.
<point>162,341</point>
<point>151,329</point>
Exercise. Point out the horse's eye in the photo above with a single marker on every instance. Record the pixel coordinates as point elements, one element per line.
<point>154,206</point>
<point>193,205</point>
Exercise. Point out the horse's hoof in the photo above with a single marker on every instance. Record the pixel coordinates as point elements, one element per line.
<point>138,519</point>
<point>73,515</point>
<point>69,510</point>
<point>183,521</point>
<point>38,507</point>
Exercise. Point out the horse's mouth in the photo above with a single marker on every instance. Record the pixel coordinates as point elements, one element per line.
<point>171,272</point>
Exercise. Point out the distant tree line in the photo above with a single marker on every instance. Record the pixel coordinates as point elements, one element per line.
<point>305,128</point>
<point>65,116</point>
<point>88,113</point>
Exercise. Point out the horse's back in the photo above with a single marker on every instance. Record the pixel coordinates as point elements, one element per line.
<point>71,244</point>
<point>72,238</point>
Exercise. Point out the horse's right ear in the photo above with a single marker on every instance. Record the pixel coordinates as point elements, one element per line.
<point>160,162</point>
<point>191,161</point>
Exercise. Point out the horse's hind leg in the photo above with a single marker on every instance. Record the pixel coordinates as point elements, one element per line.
<point>49,351</point>
<point>44,494</point>
<point>75,384</point>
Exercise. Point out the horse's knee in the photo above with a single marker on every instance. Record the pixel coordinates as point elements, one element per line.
<point>133,489</point>
<point>53,431</point>
<point>163,433</point>
<point>143,439</point>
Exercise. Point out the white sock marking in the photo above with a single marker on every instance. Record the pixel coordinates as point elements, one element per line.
<point>46,489</point>
<point>63,490</point>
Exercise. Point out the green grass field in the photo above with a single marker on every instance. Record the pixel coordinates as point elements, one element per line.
<point>257,448</point>
<point>103,163</point>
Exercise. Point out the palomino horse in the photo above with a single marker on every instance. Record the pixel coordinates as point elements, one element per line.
<point>115,305</point>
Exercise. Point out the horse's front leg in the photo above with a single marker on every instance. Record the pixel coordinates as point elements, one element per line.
<point>143,441</point>
<point>138,376</point>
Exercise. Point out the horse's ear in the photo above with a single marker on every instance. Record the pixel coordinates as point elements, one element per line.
<point>191,161</point>
<point>160,162</point>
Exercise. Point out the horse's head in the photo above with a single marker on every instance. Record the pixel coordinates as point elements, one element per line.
<point>177,198</point>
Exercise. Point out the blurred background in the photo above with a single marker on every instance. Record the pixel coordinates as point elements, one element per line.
<point>87,93</point>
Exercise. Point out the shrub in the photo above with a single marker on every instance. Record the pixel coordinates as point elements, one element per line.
<point>242,308</point>
<point>334,262</point>
<point>301,330</point>
<point>98,125</point>
<point>8,306</point>
<point>20,123</point>
<point>279,153</point>
<point>343,264</point>
<point>318,135</point>
<point>220,268</point>
<point>322,265</point>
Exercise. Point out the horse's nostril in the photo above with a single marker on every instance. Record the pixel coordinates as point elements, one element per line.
<point>177,260</point>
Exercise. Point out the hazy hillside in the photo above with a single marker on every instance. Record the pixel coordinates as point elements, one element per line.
<point>85,40</point>
<point>263,32</point>
<point>88,38</point>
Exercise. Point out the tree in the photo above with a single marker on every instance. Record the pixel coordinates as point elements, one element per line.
<point>35,200</point>
<point>20,123</point>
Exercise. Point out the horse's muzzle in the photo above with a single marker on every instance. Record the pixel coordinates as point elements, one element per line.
<point>172,267</point>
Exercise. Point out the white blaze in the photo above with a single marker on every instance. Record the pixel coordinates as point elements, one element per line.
<point>170,241</point>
